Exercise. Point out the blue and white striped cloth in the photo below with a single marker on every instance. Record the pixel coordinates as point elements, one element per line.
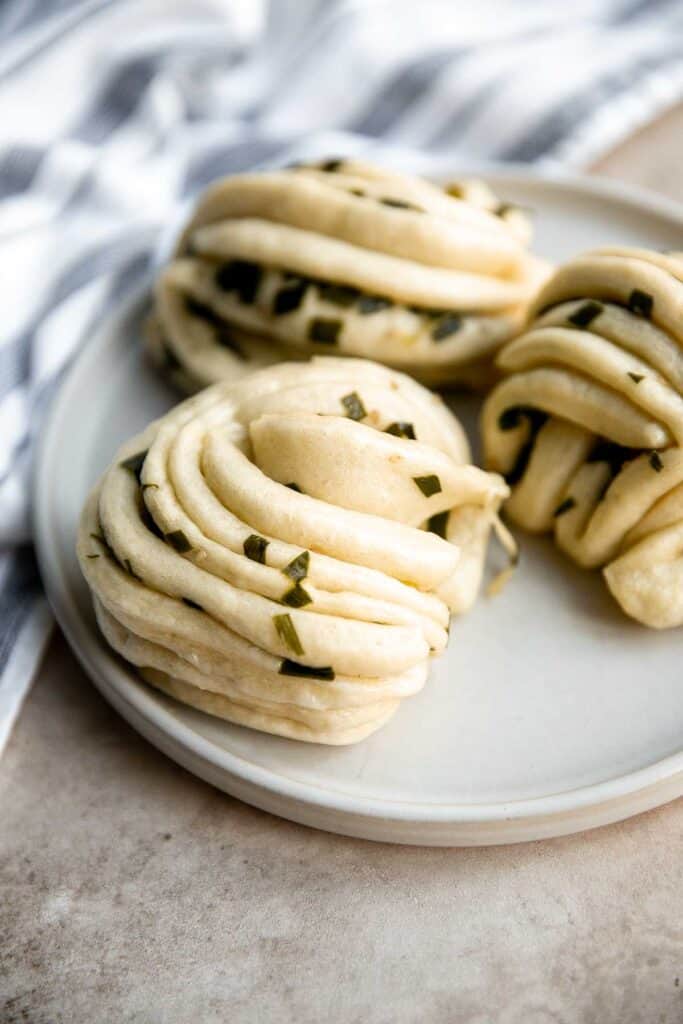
<point>114,113</point>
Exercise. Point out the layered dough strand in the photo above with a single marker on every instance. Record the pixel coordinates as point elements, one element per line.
<point>286,551</point>
<point>587,427</point>
<point>343,258</point>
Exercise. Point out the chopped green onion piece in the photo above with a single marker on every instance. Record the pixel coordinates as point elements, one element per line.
<point>640,303</point>
<point>297,569</point>
<point>401,428</point>
<point>134,463</point>
<point>296,597</point>
<point>293,668</point>
<point>433,314</point>
<point>636,377</point>
<point>400,204</point>
<point>255,548</point>
<point>191,604</point>
<point>502,209</point>
<point>564,506</point>
<point>325,332</point>
<point>294,487</point>
<point>656,462</point>
<point>289,298</point>
<point>287,633</point>
<point>332,165</point>
<point>368,304</point>
<point>239,276</point>
<point>585,314</point>
<point>428,484</point>
<point>449,325</point>
<point>338,294</point>
<point>222,334</point>
<point>438,524</point>
<point>179,541</point>
<point>354,406</point>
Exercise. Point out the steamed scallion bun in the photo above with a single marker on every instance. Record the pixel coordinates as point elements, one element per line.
<point>285,552</point>
<point>587,426</point>
<point>344,258</point>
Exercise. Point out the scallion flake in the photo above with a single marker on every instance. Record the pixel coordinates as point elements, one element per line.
<point>239,276</point>
<point>640,303</point>
<point>401,428</point>
<point>296,597</point>
<point>438,524</point>
<point>178,540</point>
<point>297,569</point>
<point>134,463</point>
<point>255,548</point>
<point>323,331</point>
<point>368,304</point>
<point>449,325</point>
<point>293,668</point>
<point>343,295</point>
<point>287,633</point>
<point>289,298</point>
<point>354,406</point>
<point>585,314</point>
<point>400,204</point>
<point>429,485</point>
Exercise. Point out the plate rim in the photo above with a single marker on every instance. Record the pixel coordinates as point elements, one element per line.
<point>383,819</point>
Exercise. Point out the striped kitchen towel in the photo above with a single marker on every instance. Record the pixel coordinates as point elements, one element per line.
<point>115,113</point>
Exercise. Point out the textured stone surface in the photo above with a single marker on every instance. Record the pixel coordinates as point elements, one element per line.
<point>132,892</point>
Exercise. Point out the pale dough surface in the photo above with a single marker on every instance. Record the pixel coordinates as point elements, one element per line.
<point>588,423</point>
<point>286,551</point>
<point>344,258</point>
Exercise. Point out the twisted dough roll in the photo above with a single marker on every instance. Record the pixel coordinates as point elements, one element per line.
<point>588,426</point>
<point>259,552</point>
<point>343,258</point>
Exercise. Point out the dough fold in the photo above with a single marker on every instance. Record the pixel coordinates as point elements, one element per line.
<point>343,258</point>
<point>286,551</point>
<point>587,426</point>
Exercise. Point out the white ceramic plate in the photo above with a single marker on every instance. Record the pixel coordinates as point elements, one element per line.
<point>550,712</point>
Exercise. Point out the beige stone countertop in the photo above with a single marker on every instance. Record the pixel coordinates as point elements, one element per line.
<point>131,891</point>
